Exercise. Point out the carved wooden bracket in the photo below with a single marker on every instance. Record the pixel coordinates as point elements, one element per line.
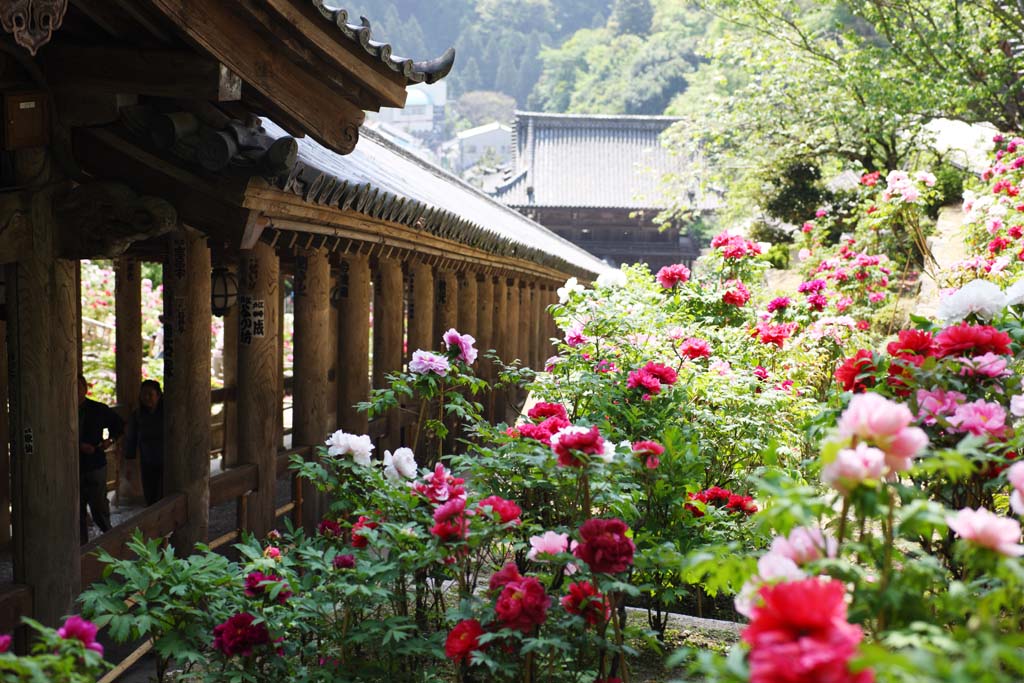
<point>32,21</point>
<point>103,219</point>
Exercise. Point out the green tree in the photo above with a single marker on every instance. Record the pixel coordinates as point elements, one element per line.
<point>483,106</point>
<point>632,16</point>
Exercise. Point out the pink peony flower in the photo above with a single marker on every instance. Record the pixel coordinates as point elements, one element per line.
<point>980,418</point>
<point>1015,475</point>
<point>694,348</point>
<point>854,466</point>
<point>988,530</point>
<point>462,344</point>
<point>771,568</point>
<point>736,293</point>
<point>574,336</point>
<point>548,543</point>
<point>987,365</point>
<point>884,424</point>
<point>937,403</point>
<point>805,544</point>
<point>424,362</point>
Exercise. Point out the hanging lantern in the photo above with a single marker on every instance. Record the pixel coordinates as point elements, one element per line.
<point>223,290</point>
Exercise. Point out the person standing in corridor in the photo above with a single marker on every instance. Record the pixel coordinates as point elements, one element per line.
<point>93,419</point>
<point>146,438</point>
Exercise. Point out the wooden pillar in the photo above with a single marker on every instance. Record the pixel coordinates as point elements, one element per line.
<point>259,403</point>
<point>187,382</point>
<point>388,309</point>
<point>421,316</point>
<point>525,324</point>
<point>5,438</point>
<point>447,303</point>
<point>513,320</point>
<point>500,332</point>
<point>42,314</point>
<point>310,417</point>
<point>128,358</point>
<point>279,361</point>
<point>353,342</point>
<point>484,332</point>
<point>469,293</point>
<point>230,455</point>
<point>537,333</point>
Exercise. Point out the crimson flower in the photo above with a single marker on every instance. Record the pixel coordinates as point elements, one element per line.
<point>359,541</point>
<point>505,510</point>
<point>856,373</point>
<point>971,340</point>
<point>541,411</point>
<point>585,601</point>
<point>523,604</point>
<point>505,575</point>
<point>463,640</point>
<point>256,585</point>
<point>604,546</point>
<point>239,635</point>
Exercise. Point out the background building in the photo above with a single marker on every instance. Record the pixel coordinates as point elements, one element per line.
<point>597,181</point>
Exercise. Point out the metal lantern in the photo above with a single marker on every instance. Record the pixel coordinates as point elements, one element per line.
<point>223,290</point>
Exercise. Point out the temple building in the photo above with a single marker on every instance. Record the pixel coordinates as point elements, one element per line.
<point>597,181</point>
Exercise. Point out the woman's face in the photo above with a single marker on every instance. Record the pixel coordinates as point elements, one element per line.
<point>149,397</point>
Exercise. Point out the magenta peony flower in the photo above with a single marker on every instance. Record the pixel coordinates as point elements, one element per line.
<point>694,348</point>
<point>77,628</point>
<point>424,362</point>
<point>669,276</point>
<point>988,530</point>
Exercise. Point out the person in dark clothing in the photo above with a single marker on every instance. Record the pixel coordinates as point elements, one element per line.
<point>93,419</point>
<point>146,439</point>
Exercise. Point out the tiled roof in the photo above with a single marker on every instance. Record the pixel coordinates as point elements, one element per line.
<point>589,161</point>
<point>361,33</point>
<point>381,180</point>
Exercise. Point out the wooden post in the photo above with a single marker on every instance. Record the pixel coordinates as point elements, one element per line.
<point>388,308</point>
<point>525,324</point>
<point>279,362</point>
<point>513,319</point>
<point>310,417</point>
<point>447,303</point>
<point>551,327</point>
<point>128,358</point>
<point>5,440</point>
<point>484,332</point>
<point>537,334</point>
<point>500,332</point>
<point>421,317</point>
<point>187,382</point>
<point>42,313</point>
<point>230,455</point>
<point>353,335</point>
<point>259,403</point>
<point>469,295</point>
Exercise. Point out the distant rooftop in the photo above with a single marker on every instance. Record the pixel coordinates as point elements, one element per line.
<point>600,161</point>
<point>486,128</point>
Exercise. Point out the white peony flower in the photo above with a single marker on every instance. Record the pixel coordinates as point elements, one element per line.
<point>607,455</point>
<point>611,278</point>
<point>400,465</point>
<point>337,443</point>
<point>1017,406</point>
<point>359,447</point>
<point>1015,293</point>
<point>571,286</point>
<point>980,297</point>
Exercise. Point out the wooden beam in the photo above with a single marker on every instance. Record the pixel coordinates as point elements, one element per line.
<point>310,417</point>
<point>15,603</point>
<point>353,335</point>
<point>259,402</point>
<point>232,483</point>
<point>300,92</point>
<point>159,73</point>
<point>187,382</point>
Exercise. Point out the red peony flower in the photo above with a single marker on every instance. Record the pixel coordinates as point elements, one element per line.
<point>522,604</point>
<point>856,373</point>
<point>451,521</point>
<point>541,411</point>
<point>585,601</point>
<point>505,510</point>
<point>575,440</point>
<point>800,635</point>
<point>744,504</point>
<point>362,523</point>
<point>5,643</point>
<point>239,635</point>
<point>344,562</point>
<point>644,380</point>
<point>768,333</point>
<point>648,451</point>
<point>971,340</point>
<point>463,640</point>
<point>329,528</point>
<point>505,575</point>
<point>669,276</point>
<point>870,179</point>
<point>545,430</point>
<point>737,293</point>
<point>912,343</point>
<point>694,348</point>
<point>257,585</point>
<point>664,373</point>
<point>604,546</point>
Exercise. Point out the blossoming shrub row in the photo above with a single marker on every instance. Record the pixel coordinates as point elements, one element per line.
<point>69,654</point>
